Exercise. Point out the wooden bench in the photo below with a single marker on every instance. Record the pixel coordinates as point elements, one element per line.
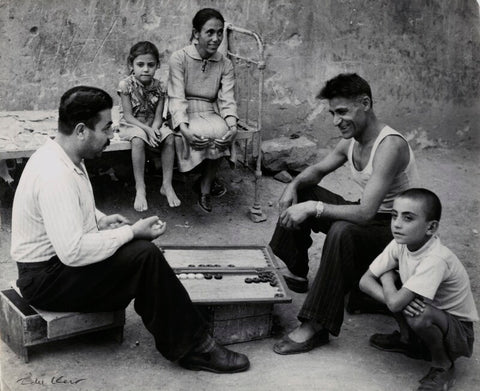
<point>23,326</point>
<point>32,128</point>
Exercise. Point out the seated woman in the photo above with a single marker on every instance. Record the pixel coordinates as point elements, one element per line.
<point>201,78</point>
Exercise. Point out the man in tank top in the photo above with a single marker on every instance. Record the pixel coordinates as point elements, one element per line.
<point>382,163</point>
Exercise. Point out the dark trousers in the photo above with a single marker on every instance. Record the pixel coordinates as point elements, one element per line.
<point>138,270</point>
<point>348,250</point>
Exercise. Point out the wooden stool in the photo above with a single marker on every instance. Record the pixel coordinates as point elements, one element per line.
<point>23,326</point>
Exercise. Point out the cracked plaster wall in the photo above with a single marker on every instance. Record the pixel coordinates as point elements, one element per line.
<point>421,57</point>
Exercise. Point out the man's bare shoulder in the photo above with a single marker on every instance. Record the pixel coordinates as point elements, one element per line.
<point>342,146</point>
<point>393,148</point>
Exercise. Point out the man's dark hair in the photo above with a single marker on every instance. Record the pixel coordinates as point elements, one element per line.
<point>345,85</point>
<point>430,201</point>
<point>81,104</point>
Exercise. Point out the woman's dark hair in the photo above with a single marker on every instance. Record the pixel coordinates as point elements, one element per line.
<point>203,16</point>
<point>140,48</point>
<point>81,104</point>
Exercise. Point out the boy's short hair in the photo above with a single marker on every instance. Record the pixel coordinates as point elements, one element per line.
<point>81,104</point>
<point>346,85</point>
<point>431,203</point>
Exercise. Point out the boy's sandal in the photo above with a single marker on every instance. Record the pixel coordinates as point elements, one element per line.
<point>438,379</point>
<point>392,343</point>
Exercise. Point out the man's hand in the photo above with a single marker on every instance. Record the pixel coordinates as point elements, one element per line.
<point>149,228</point>
<point>112,221</point>
<point>414,308</point>
<point>296,214</point>
<point>288,198</point>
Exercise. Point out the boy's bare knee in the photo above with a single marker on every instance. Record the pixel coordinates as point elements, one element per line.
<point>422,321</point>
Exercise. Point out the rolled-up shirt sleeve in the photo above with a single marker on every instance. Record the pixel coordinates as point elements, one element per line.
<point>226,95</point>
<point>65,226</point>
<point>177,102</point>
<point>99,215</point>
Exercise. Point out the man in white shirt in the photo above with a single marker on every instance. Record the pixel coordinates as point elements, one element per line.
<point>72,257</point>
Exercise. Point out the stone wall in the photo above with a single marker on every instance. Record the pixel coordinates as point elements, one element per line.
<point>421,57</point>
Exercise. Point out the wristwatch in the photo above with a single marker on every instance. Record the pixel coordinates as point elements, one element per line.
<point>320,207</point>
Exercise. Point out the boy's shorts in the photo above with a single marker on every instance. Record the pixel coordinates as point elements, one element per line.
<point>459,337</point>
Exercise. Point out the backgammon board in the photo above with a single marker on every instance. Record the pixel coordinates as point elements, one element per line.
<point>227,274</point>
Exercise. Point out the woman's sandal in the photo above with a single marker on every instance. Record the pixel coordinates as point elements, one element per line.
<point>205,202</point>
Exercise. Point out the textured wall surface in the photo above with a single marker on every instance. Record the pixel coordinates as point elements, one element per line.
<point>421,57</point>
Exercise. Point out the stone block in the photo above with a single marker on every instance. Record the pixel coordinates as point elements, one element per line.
<point>283,176</point>
<point>287,154</point>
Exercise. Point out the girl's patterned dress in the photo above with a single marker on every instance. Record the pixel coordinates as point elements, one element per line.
<point>144,101</point>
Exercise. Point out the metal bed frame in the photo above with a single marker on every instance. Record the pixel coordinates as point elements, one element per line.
<point>249,135</point>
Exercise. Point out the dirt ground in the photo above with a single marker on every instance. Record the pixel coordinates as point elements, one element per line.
<point>347,363</point>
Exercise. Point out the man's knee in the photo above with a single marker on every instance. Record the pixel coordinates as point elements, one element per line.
<point>143,249</point>
<point>342,229</point>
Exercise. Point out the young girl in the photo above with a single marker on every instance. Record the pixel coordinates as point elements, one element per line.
<point>142,100</point>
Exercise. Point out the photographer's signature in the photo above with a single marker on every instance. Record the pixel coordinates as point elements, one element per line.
<point>29,380</point>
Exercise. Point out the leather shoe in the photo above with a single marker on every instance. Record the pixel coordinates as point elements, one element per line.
<point>219,360</point>
<point>299,286</point>
<point>288,346</point>
<point>205,202</point>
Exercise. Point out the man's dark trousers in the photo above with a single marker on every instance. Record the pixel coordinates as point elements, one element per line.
<point>347,252</point>
<point>138,270</point>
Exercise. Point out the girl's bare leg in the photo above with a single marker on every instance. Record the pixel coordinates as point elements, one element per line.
<point>138,163</point>
<point>168,156</point>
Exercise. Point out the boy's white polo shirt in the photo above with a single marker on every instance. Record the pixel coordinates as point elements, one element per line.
<point>433,272</point>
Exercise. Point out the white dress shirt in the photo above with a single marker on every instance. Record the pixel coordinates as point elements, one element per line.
<point>54,213</point>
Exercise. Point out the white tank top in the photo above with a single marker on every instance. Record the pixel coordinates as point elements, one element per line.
<point>404,179</point>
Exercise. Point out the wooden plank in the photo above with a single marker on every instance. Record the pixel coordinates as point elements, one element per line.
<point>77,322</point>
<point>12,327</point>
<point>240,311</point>
<point>115,145</point>
<point>19,302</point>
<point>242,330</point>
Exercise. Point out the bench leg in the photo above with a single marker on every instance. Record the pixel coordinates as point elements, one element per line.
<point>24,354</point>
<point>117,333</point>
